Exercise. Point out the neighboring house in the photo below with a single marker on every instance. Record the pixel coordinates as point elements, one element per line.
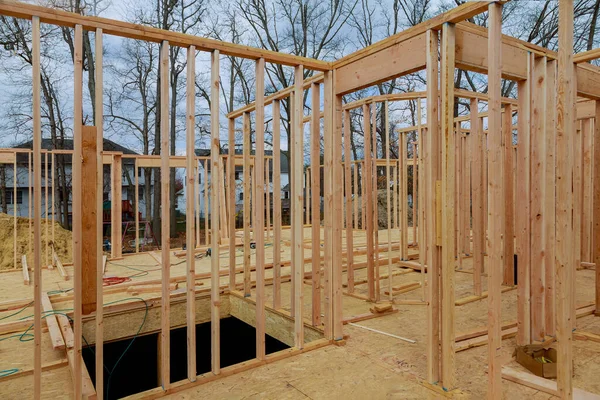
<point>239,181</point>
<point>22,198</point>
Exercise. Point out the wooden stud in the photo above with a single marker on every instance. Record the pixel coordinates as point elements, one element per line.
<point>374,194</point>
<point>333,127</point>
<point>215,180</point>
<point>89,239</point>
<point>432,162</point>
<point>247,194</point>
<point>404,196</point>
<point>523,221</point>
<point>496,201</point>
<point>76,207</point>
<point>550,198</point>
<point>137,206</point>
<point>538,191</point>
<point>477,140</point>
<point>368,189</point>
<point>207,210</point>
<point>388,198</point>
<point>46,207</point>
<point>297,227</point>
<point>268,196</point>
<point>508,183</point>
<point>165,331</point>
<point>30,201</point>
<point>259,208</point>
<point>355,191</point>
<point>276,204</point>
<point>563,250</point>
<point>448,207</point>
<point>348,189</point>
<point>231,200</point>
<point>190,136</point>
<point>596,200</point>
<point>315,163</point>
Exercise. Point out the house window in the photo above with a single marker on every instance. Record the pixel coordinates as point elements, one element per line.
<point>241,195</point>
<point>9,196</point>
<point>286,195</point>
<point>237,175</point>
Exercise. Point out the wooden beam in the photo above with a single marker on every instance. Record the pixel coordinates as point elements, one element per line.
<point>77,207</point>
<point>432,175</point>
<point>509,206</point>
<point>455,15</point>
<point>190,136</point>
<point>550,198</point>
<point>386,111</point>
<point>165,331</point>
<point>538,192</point>
<point>367,199</point>
<point>496,196</point>
<point>586,56</point>
<point>380,66</point>
<point>53,329</point>
<point>334,121</point>
<point>145,33</point>
<point>523,221</point>
<point>247,149</point>
<point>276,110</point>
<point>564,200</point>
<point>297,226</point>
<point>542,384</point>
<point>101,260</point>
<point>89,216</point>
<point>477,142</point>
<point>315,162</point>
<point>448,378</point>
<point>259,208</point>
<point>328,205</point>
<point>216,179</point>
<point>374,197</point>
<point>25,268</point>
<point>596,200</point>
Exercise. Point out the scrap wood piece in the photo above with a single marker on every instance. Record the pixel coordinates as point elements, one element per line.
<point>55,335</point>
<point>67,330</point>
<point>104,259</point>
<point>582,335</point>
<point>382,333</point>
<point>481,332</point>
<point>26,280</point>
<point>442,391</point>
<point>380,308</point>
<point>542,384</point>
<point>400,289</point>
<point>482,340</point>
<point>410,302</point>
<point>150,288</point>
<point>59,265</point>
<point>87,388</point>
<point>484,295</point>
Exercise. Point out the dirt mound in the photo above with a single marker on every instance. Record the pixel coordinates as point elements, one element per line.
<point>62,237</point>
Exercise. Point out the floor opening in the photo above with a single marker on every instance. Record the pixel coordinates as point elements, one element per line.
<point>132,366</point>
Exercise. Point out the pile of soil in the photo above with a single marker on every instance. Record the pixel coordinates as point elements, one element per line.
<point>62,237</point>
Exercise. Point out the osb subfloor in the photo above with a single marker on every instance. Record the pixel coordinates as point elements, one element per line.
<point>370,365</point>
